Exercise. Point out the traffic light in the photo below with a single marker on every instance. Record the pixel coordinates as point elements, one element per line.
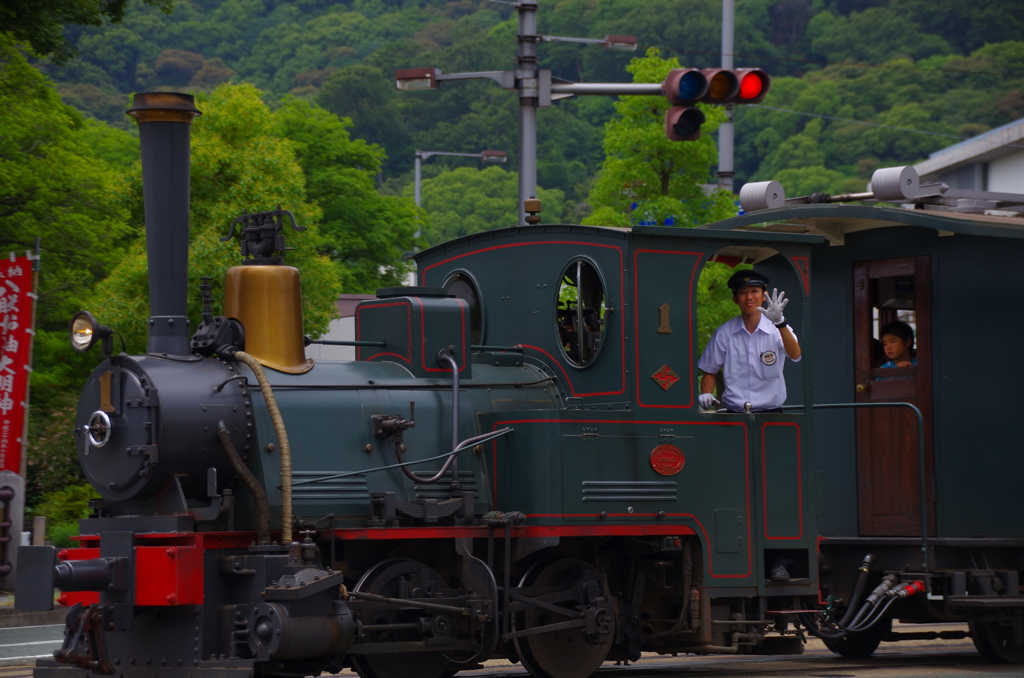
<point>740,86</point>
<point>684,87</point>
<point>723,86</point>
<point>754,85</point>
<point>682,123</point>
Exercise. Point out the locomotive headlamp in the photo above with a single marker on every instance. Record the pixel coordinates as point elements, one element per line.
<point>85,331</point>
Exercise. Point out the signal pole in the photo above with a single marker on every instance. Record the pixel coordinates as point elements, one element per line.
<point>526,79</point>
<point>725,131</point>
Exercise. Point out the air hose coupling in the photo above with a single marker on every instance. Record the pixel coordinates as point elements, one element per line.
<point>910,589</point>
<point>869,560</point>
<point>880,590</point>
<point>898,590</point>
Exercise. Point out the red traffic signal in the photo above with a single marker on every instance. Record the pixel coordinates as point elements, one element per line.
<point>741,86</point>
<point>754,85</point>
<point>682,123</point>
<point>685,86</point>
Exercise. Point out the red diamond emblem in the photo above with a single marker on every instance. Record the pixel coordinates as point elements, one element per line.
<point>665,377</point>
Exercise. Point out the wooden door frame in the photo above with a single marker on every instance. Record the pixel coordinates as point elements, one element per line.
<point>863,272</point>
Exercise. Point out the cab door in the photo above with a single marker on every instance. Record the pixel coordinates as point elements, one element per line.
<point>888,477</point>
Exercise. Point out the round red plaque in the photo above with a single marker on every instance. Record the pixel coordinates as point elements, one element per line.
<point>667,460</point>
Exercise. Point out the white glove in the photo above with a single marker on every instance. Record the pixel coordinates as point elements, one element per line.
<point>708,401</point>
<point>776,302</point>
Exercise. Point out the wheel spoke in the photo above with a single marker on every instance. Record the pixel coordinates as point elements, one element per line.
<point>388,579</point>
<point>549,647</point>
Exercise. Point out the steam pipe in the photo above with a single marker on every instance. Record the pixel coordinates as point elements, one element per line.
<point>165,122</point>
<point>446,357</point>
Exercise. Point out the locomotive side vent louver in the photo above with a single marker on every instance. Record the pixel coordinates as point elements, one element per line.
<point>350,488</point>
<point>442,489</point>
<point>640,490</point>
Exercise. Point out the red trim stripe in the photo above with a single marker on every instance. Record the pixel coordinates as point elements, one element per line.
<point>707,541</point>
<point>689,326</point>
<point>408,324</point>
<point>799,481</point>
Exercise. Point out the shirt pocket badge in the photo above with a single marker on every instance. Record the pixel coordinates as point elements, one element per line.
<point>770,365</point>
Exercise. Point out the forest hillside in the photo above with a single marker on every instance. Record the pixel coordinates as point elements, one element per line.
<point>941,66</point>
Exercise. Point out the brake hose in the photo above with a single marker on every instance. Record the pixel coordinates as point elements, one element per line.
<point>851,610</point>
<point>858,590</point>
<point>282,441</point>
<point>259,495</point>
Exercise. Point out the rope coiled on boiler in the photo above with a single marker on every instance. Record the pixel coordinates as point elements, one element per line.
<point>282,441</point>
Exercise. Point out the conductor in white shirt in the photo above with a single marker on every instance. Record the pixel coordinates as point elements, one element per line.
<point>752,347</point>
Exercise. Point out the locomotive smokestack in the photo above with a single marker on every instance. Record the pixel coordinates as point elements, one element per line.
<point>165,121</point>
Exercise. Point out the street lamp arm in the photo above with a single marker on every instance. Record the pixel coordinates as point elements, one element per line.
<point>612,88</point>
<point>507,79</point>
<point>423,155</point>
<point>559,38</point>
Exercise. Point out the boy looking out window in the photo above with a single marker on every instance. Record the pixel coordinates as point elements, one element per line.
<point>898,344</point>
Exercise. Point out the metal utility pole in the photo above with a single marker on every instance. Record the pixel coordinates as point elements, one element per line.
<point>725,132</point>
<point>536,88</point>
<point>526,79</point>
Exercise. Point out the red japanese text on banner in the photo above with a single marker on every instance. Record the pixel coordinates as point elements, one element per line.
<point>16,301</point>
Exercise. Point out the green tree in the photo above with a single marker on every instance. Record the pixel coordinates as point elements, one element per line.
<point>367,97</point>
<point>799,181</point>
<point>53,185</point>
<point>40,23</point>
<point>364,232</point>
<point>645,177</point>
<point>714,300</point>
<point>240,163</point>
<point>874,35</point>
<point>468,200</point>
<point>60,181</point>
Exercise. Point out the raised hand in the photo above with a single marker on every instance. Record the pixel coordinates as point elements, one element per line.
<point>776,303</point>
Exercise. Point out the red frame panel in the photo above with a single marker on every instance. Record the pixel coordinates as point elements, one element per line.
<point>169,575</point>
<point>799,482</point>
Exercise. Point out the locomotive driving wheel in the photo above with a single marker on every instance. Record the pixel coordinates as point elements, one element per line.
<point>579,639</point>
<point>997,643</point>
<point>391,578</point>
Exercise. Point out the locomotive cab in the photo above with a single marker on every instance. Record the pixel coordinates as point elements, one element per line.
<point>905,454</point>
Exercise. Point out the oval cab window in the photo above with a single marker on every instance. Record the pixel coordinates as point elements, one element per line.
<point>462,286</point>
<point>581,312</point>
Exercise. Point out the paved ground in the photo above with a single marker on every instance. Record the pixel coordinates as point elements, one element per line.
<point>22,644</point>
<point>908,659</point>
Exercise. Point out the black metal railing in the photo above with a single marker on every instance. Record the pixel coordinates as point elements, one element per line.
<point>920,459</point>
